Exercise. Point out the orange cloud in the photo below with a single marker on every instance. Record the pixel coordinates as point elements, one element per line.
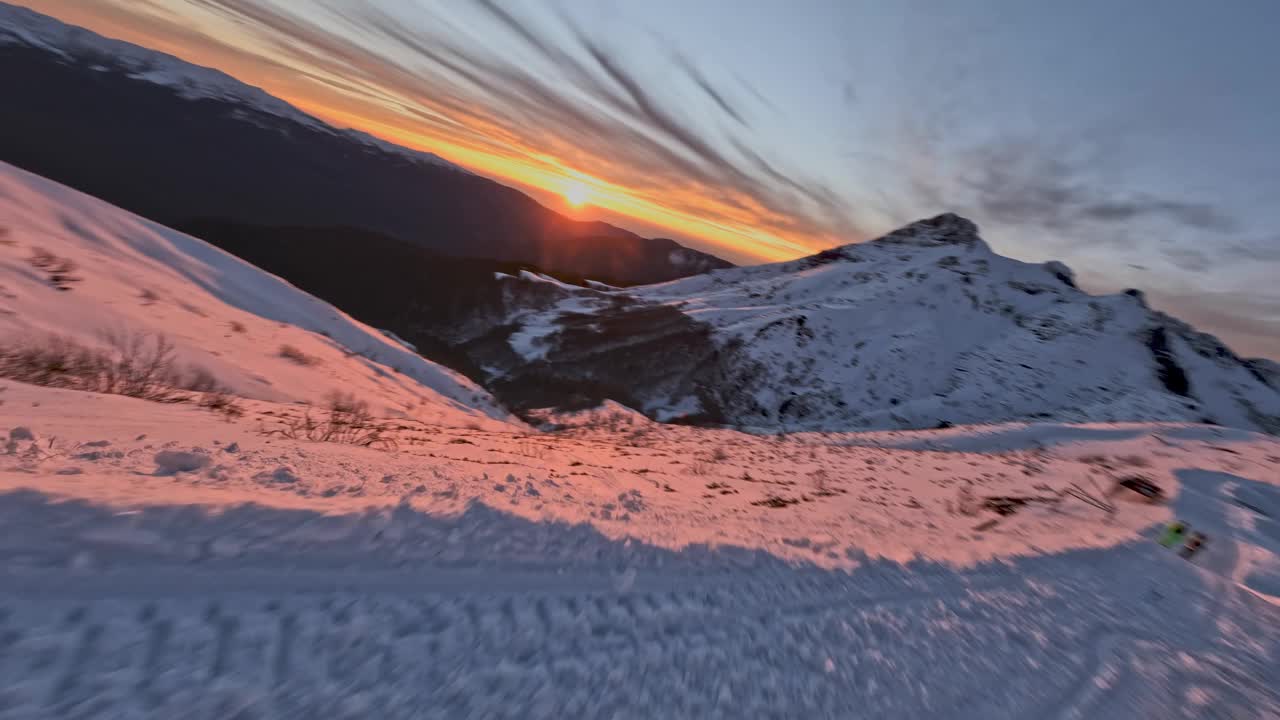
<point>588,121</point>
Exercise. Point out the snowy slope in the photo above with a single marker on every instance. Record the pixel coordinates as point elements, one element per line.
<point>625,568</point>
<point>19,25</point>
<point>222,313</point>
<point>925,326</point>
<point>616,566</point>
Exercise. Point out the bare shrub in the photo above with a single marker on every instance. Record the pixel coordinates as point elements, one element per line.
<point>776,502</point>
<point>213,395</point>
<point>821,482</point>
<point>966,502</point>
<point>530,449</point>
<point>1133,460</point>
<point>60,271</point>
<point>719,454</point>
<point>140,365</point>
<point>639,437</point>
<point>148,296</point>
<point>346,421</point>
<point>237,326</point>
<point>222,403</point>
<point>294,355</point>
<point>699,468</point>
<point>200,380</point>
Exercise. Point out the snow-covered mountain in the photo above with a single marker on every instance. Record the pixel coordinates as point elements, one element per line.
<point>21,26</point>
<point>131,126</point>
<point>923,327</point>
<point>74,267</point>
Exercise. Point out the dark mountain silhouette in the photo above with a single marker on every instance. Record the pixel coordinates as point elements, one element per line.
<point>174,142</point>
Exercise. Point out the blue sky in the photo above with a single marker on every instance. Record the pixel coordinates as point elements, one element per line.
<point>1134,140</point>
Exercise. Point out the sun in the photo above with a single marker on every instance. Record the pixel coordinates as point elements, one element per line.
<point>576,193</point>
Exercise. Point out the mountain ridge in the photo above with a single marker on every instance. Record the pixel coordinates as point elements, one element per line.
<point>925,326</point>
<point>76,272</point>
<point>129,125</point>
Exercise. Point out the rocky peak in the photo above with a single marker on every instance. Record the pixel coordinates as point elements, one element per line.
<point>944,229</point>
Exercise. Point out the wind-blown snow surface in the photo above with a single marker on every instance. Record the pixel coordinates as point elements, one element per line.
<point>221,313</point>
<point>623,568</point>
<point>922,327</point>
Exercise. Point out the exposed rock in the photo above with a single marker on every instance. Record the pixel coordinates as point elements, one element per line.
<point>169,462</point>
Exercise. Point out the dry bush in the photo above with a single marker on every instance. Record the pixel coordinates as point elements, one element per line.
<point>294,355</point>
<point>222,403</point>
<point>200,380</point>
<point>214,396</point>
<point>531,449</point>
<point>776,502</point>
<point>719,454</point>
<point>1133,460</point>
<point>639,437</point>
<point>967,503</point>
<point>148,296</point>
<point>821,482</point>
<point>699,468</point>
<point>59,270</point>
<point>140,365</point>
<point>347,421</point>
<point>237,326</point>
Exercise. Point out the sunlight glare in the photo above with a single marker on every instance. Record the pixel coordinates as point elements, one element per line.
<point>576,192</point>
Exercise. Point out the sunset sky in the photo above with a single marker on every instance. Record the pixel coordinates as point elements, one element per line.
<point>1135,141</point>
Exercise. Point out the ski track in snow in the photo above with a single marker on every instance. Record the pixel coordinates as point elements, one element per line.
<point>787,644</point>
<point>125,594</point>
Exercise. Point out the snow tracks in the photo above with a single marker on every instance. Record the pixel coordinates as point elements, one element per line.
<point>1072,635</point>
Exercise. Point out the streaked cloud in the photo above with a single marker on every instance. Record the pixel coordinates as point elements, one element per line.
<point>556,101</point>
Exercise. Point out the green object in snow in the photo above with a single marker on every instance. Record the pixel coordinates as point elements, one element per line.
<point>1173,534</point>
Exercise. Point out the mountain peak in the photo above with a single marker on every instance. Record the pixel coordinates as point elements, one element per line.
<point>944,229</point>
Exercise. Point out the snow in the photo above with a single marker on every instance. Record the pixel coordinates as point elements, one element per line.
<point>530,276</point>
<point>927,326</point>
<point>399,340</point>
<point>221,313</point>
<point>528,341</point>
<point>593,571</point>
<point>536,326</point>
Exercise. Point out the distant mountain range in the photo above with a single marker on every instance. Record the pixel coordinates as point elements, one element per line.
<point>922,328</point>
<point>176,142</point>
